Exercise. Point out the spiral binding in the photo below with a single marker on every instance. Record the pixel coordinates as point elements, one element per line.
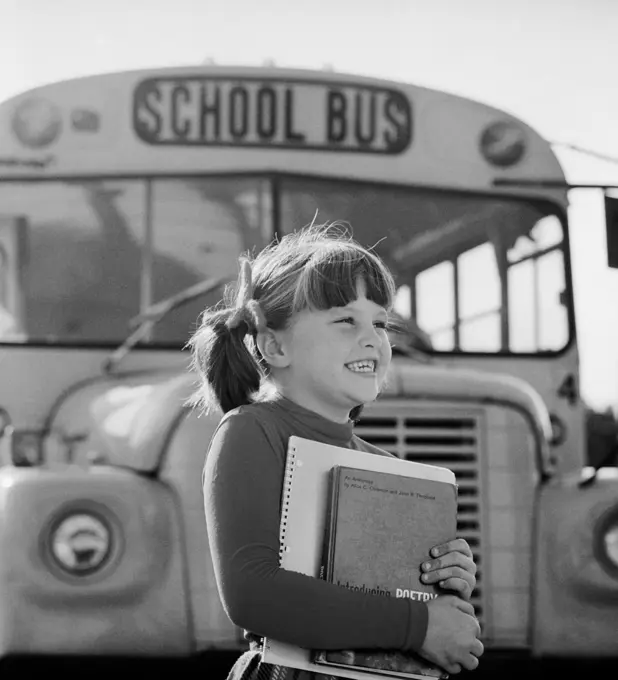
<point>285,500</point>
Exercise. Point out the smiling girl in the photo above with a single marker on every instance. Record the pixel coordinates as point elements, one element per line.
<point>298,348</point>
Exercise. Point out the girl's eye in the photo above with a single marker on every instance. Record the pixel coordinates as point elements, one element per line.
<point>381,324</point>
<point>348,319</point>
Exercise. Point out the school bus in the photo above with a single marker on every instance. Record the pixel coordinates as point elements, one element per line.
<point>125,200</point>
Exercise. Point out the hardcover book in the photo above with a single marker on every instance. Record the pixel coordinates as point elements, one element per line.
<point>379,528</point>
<point>305,497</point>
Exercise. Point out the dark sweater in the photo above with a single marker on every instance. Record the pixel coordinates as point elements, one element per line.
<point>243,479</point>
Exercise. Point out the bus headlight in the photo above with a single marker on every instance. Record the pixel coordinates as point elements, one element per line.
<point>606,543</point>
<point>80,543</point>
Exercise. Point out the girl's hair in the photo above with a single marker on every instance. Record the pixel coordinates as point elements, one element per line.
<point>316,268</point>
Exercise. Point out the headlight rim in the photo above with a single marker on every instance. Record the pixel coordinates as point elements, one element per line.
<point>607,522</point>
<point>99,512</point>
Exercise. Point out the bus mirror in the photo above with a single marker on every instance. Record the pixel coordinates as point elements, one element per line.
<point>611,228</point>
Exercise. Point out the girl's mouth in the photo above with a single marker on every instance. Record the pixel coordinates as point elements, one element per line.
<point>363,366</point>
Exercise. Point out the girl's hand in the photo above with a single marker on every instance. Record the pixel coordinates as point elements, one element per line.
<point>452,568</point>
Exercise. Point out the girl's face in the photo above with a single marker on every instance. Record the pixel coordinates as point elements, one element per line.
<point>335,359</point>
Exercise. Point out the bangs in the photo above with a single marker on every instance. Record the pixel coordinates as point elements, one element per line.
<point>330,279</point>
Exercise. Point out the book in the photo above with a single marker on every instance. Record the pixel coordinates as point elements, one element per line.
<point>379,528</point>
<point>305,496</point>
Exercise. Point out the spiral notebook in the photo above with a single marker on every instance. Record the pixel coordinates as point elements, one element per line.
<point>303,516</point>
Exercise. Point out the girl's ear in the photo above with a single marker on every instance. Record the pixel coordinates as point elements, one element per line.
<point>271,348</point>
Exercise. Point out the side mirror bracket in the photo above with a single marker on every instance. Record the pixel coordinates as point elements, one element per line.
<point>611,229</point>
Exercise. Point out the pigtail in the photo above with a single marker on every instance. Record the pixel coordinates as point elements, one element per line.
<point>230,373</point>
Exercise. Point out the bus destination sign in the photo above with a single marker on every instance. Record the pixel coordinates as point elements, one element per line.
<point>272,113</point>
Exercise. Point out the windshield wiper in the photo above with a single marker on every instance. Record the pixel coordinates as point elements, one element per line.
<point>146,321</point>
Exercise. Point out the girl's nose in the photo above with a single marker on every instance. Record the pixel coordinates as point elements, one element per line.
<point>370,337</point>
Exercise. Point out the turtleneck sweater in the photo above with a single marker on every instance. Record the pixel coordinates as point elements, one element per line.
<point>243,482</point>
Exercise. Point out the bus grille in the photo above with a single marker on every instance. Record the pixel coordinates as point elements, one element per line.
<point>446,440</point>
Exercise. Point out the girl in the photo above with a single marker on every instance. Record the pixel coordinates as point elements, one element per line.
<point>299,351</point>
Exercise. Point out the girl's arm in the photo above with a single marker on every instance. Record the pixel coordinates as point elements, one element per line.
<point>243,479</point>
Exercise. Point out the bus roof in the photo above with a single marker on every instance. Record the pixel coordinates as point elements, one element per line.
<point>232,119</point>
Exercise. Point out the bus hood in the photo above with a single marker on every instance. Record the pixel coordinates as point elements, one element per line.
<point>123,420</point>
<point>129,420</point>
<point>434,382</point>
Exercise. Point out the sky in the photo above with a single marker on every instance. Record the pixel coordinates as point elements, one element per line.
<point>552,63</point>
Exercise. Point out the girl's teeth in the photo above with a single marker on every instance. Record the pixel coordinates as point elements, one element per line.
<point>362,367</point>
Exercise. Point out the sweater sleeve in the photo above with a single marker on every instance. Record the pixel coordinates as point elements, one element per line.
<point>243,479</point>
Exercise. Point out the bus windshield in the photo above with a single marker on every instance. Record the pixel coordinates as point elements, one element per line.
<point>476,273</point>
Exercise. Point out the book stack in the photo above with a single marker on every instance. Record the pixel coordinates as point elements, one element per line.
<point>365,522</point>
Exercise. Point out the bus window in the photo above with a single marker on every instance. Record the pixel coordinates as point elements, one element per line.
<point>538,318</point>
<point>435,305</point>
<point>522,337</point>
<point>479,300</point>
<point>82,278</point>
<point>4,277</point>
<point>101,251</point>
<point>200,226</point>
<point>7,320</point>
<point>553,323</point>
<point>13,256</point>
<point>403,302</point>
